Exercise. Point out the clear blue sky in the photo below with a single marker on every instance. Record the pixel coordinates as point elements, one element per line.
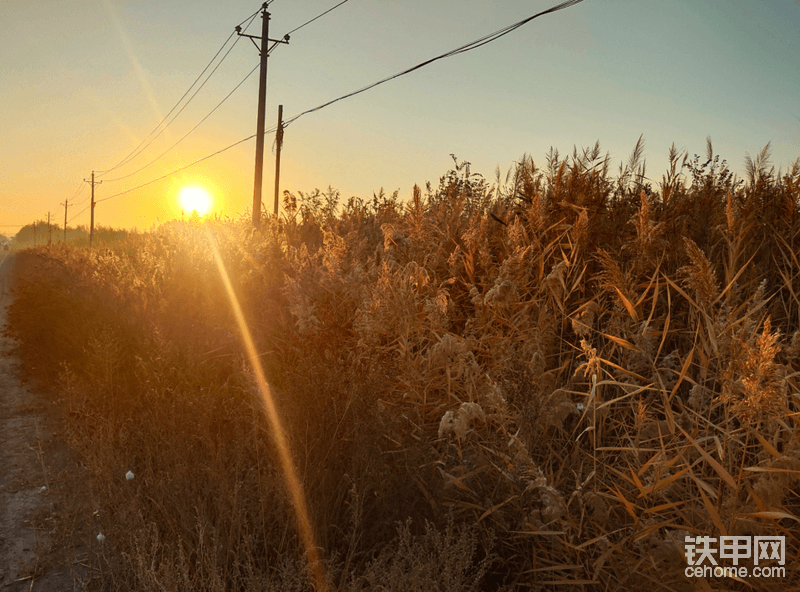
<point>83,81</point>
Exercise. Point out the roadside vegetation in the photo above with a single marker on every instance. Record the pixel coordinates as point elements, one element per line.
<point>40,233</point>
<point>552,377</point>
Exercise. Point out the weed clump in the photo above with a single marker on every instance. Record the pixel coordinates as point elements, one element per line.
<point>551,379</point>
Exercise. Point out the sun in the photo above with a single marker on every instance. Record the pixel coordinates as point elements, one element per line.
<point>195,199</point>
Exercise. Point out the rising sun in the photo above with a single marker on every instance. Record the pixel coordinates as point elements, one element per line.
<point>195,199</point>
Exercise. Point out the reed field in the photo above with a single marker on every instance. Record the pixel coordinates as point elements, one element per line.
<point>541,381</point>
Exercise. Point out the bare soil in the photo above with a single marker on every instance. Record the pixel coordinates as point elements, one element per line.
<point>35,554</point>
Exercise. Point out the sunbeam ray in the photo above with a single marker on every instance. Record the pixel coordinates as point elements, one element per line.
<point>287,464</point>
<point>140,74</point>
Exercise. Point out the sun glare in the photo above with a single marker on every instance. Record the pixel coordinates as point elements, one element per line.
<point>195,199</point>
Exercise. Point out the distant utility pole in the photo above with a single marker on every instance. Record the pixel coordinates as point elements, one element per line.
<point>34,234</point>
<point>66,204</point>
<point>262,106</point>
<point>278,144</point>
<point>49,231</point>
<point>91,218</point>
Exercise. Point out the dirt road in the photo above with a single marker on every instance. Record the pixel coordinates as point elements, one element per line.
<point>29,483</point>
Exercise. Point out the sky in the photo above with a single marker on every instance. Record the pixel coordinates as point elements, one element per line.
<point>83,82</point>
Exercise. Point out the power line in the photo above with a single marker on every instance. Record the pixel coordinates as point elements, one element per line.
<point>143,148</point>
<point>83,201</point>
<point>77,193</point>
<point>136,151</point>
<point>78,214</point>
<point>187,133</point>
<point>183,167</point>
<point>316,17</point>
<point>78,190</point>
<point>251,17</point>
<point>462,49</point>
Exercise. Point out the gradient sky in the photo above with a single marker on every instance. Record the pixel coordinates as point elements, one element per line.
<point>82,82</point>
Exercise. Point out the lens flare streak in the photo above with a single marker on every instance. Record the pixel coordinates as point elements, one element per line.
<point>287,465</point>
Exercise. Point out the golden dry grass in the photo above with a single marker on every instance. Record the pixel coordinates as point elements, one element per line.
<point>553,379</point>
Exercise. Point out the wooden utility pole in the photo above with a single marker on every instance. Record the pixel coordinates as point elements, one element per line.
<point>279,143</point>
<point>49,231</point>
<point>91,218</point>
<point>66,204</point>
<point>262,106</point>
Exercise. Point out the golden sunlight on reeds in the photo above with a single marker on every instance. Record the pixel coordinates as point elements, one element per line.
<point>551,379</point>
<point>287,464</point>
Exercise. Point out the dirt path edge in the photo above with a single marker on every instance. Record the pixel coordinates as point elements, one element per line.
<point>30,497</point>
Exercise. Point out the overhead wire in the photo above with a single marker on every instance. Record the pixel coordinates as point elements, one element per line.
<point>76,215</point>
<point>132,155</point>
<point>462,49</point>
<point>183,168</point>
<point>74,205</point>
<point>135,153</point>
<point>83,201</point>
<point>316,17</point>
<point>186,135</point>
<point>75,195</point>
<point>221,102</point>
<point>77,190</point>
<point>251,17</point>
<point>138,150</point>
<point>187,102</point>
<point>80,190</point>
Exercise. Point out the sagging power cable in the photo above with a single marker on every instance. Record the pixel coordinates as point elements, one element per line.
<point>186,135</point>
<point>148,140</point>
<point>462,49</point>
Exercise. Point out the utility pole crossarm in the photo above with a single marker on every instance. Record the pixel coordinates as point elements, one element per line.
<point>276,41</point>
<point>284,40</point>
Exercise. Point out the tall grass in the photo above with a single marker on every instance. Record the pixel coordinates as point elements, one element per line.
<point>552,378</point>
